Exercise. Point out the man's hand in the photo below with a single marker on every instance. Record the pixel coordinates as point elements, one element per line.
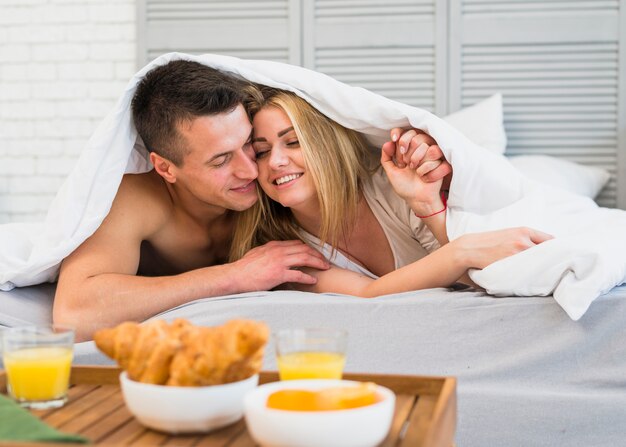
<point>419,151</point>
<point>277,262</point>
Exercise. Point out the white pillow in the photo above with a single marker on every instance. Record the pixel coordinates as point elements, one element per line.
<point>482,123</point>
<point>584,180</point>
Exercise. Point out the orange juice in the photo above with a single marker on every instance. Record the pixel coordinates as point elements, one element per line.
<point>38,374</point>
<point>311,365</point>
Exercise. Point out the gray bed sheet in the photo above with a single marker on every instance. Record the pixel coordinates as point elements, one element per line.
<point>527,374</point>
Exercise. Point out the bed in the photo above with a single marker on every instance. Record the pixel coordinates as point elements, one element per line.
<point>527,374</point>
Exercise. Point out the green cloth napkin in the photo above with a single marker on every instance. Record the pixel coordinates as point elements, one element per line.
<point>17,424</point>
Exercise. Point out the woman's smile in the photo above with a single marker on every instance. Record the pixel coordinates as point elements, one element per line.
<point>286,179</point>
<point>280,158</point>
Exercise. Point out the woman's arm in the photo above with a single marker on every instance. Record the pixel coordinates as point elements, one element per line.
<point>435,220</point>
<point>441,268</point>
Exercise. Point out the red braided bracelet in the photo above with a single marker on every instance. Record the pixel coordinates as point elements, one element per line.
<point>445,207</point>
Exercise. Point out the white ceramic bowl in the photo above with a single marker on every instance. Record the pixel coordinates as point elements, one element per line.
<point>356,427</point>
<point>177,409</point>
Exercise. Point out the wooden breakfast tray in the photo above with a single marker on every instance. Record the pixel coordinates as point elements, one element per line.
<point>425,412</point>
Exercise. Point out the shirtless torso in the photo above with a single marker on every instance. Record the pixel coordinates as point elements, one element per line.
<point>170,241</point>
<point>178,243</point>
<point>144,235</point>
<point>149,256</point>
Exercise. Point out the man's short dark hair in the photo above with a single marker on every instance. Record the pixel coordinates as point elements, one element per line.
<point>179,92</point>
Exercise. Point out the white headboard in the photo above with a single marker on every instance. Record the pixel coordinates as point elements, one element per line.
<point>557,63</point>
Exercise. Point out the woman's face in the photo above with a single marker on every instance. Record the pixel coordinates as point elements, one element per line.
<point>282,174</point>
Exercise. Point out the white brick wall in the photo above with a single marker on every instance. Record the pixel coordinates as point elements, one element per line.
<point>63,64</point>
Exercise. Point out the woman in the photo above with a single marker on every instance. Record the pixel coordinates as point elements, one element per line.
<point>320,184</point>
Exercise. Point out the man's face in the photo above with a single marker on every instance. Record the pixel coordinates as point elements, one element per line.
<point>219,169</point>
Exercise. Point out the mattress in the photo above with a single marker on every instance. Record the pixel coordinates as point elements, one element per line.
<point>527,374</point>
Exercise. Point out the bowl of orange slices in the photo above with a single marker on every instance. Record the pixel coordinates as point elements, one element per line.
<point>319,412</point>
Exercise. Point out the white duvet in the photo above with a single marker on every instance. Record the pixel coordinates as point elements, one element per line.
<point>586,259</point>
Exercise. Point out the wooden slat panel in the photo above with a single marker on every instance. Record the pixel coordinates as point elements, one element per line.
<point>128,433</point>
<point>355,10</point>
<point>74,409</point>
<point>105,420</point>
<point>404,74</point>
<point>243,440</point>
<point>399,383</point>
<point>536,6</point>
<point>560,108</point>
<point>539,49</point>
<point>419,420</point>
<point>86,420</point>
<point>546,28</point>
<point>230,35</point>
<point>103,375</point>
<point>182,440</point>
<point>403,384</point>
<point>441,430</point>
<point>404,406</point>
<point>565,107</point>
<point>568,144</point>
<point>215,10</point>
<point>73,394</point>
<point>150,437</point>
<point>261,29</point>
<point>375,33</point>
<point>547,126</point>
<point>516,92</point>
<point>223,436</point>
<point>270,54</point>
<point>109,424</point>
<point>386,47</point>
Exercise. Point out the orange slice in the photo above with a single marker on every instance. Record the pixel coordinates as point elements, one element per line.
<point>294,400</point>
<point>336,398</point>
<point>341,398</point>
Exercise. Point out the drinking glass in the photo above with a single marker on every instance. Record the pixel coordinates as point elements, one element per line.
<point>38,361</point>
<point>311,353</point>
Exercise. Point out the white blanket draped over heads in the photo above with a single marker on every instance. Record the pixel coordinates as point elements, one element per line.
<point>586,259</point>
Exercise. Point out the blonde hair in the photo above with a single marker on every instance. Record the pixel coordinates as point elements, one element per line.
<point>336,158</point>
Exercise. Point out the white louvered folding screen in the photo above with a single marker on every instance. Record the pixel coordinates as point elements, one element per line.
<point>251,29</point>
<point>558,63</point>
<point>387,47</point>
<point>557,66</point>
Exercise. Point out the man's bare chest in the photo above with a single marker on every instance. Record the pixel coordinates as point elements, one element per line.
<point>181,249</point>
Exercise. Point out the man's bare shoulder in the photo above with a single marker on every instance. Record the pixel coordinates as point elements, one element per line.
<point>139,210</point>
<point>144,195</point>
<point>147,186</point>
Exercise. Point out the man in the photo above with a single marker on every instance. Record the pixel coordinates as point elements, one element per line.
<point>166,239</point>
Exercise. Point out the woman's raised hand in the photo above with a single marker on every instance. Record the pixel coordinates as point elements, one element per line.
<point>415,167</point>
<point>478,250</point>
<point>418,150</point>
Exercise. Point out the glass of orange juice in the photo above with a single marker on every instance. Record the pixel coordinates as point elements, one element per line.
<point>312,353</point>
<point>38,360</point>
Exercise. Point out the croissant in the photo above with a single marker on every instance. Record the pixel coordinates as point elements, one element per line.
<point>221,354</point>
<point>182,354</point>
